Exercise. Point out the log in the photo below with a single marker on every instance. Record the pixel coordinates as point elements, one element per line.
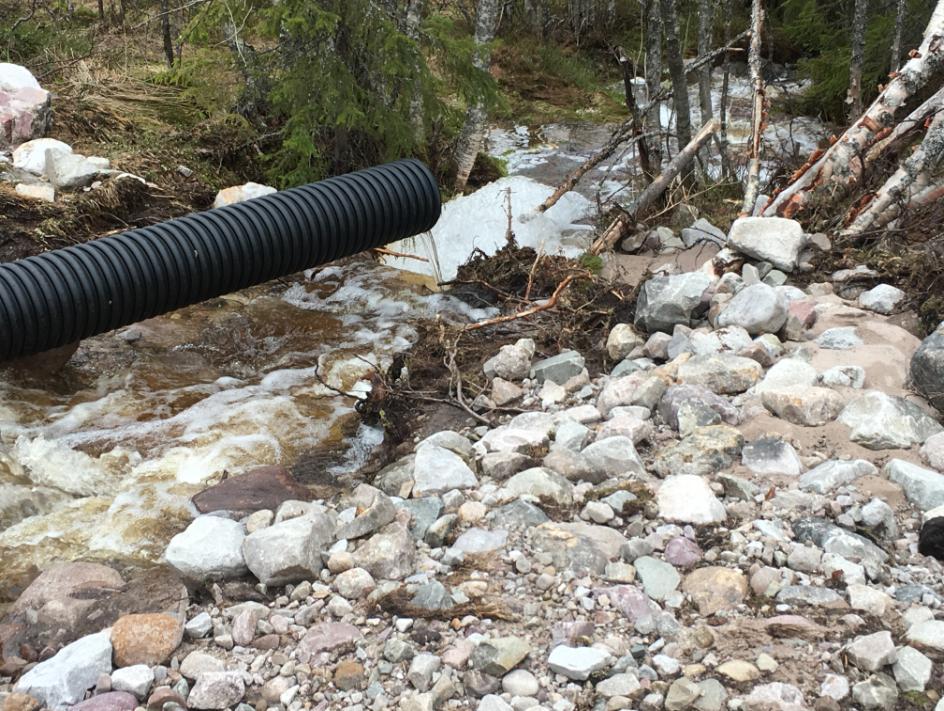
<point>916,120</point>
<point>656,189</point>
<point>841,165</point>
<point>912,178</point>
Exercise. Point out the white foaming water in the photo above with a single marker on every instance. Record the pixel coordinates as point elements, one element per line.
<point>134,426</point>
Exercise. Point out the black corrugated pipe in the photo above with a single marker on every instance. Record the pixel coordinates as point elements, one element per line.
<point>63,296</point>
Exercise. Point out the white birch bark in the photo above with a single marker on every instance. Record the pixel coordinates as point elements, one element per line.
<point>913,177</point>
<point>841,165</point>
<point>473,132</point>
<point>412,21</point>
<point>758,108</point>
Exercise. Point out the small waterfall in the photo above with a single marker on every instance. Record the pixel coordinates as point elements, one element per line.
<point>427,244</point>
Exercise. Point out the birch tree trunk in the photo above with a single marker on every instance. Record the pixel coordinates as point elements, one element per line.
<point>473,132</point>
<point>758,108</point>
<point>854,96</point>
<point>705,22</point>
<point>841,165</point>
<point>905,127</point>
<point>654,76</point>
<point>912,178</point>
<point>165,33</point>
<point>673,50</point>
<point>896,36</point>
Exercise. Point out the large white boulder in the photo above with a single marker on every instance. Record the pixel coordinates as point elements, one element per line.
<point>24,106</point>
<point>33,156</point>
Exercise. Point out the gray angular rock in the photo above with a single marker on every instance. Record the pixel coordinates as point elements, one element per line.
<point>136,679</point>
<point>678,397</point>
<point>844,376</point>
<point>388,555</point>
<point>772,239</point>
<point>838,541</point>
<point>876,692</point>
<point>666,301</point>
<point>512,362</point>
<point>786,374</point>
<point>568,549</point>
<point>722,373</point>
<point>614,457</point>
<point>437,469</point>
<point>558,369</point>
<point>882,299</point>
<point>290,550</point>
<point>841,338</point>
<point>374,511</point>
<point>771,455</point>
<point>833,473</point>
<point>622,341</point>
<point>217,690</point>
<point>686,498</point>
<point>63,679</point>
<point>809,595</point>
<point>480,540</point>
<point>927,368</point>
<point>543,485</point>
<point>757,308</point>
<point>705,451</point>
<point>209,548</point>
<point>880,421</point>
<point>577,663</point>
<point>927,635</point>
<point>923,487</point>
<point>872,652</point>
<point>658,578</point>
<point>499,655</point>
<point>802,405</point>
<point>912,669</point>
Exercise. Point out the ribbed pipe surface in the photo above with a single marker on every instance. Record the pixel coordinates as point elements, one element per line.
<point>63,296</point>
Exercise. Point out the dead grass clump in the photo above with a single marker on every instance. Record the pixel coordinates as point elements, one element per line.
<point>399,603</point>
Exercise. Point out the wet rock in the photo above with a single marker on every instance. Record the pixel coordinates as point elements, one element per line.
<point>883,299</point>
<point>931,538</point>
<point>805,406</point>
<point>776,696</point>
<point>772,239</point>
<point>834,473</point>
<point>757,308</point>
<point>666,301</point>
<point>558,369</point>
<point>577,663</point>
<point>876,692</point>
<point>614,457</point>
<point>63,679</point>
<point>67,592</point>
<point>705,451</point>
<point>241,193</point>
<point>687,498</point>
<point>389,555</point>
<point>512,362</point>
<point>771,455</point>
<point>498,656</point>
<point>923,487</point>
<point>721,373</point>
<point>290,550</point>
<point>927,368</point>
<point>872,652</point>
<point>678,397</point>
<point>209,548</point>
<point>261,488</point>
<point>145,639</point>
<point>374,510</point>
<point>542,484</point>
<point>715,588</point>
<point>217,690</point>
<point>438,469</point>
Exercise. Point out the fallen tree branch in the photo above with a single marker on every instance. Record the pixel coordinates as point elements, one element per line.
<point>402,255</point>
<point>549,304</point>
<point>916,120</point>
<point>842,165</point>
<point>655,190</point>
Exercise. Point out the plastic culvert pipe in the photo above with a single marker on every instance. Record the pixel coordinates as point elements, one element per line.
<point>60,297</point>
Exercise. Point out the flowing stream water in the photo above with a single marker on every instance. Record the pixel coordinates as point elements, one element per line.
<point>99,460</point>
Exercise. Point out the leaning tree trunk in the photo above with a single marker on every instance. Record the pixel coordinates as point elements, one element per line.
<point>673,48</point>
<point>842,165</point>
<point>915,176</point>
<point>896,36</point>
<point>629,88</point>
<point>758,108</point>
<point>854,95</point>
<point>723,100</point>
<point>654,76</point>
<point>473,132</point>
